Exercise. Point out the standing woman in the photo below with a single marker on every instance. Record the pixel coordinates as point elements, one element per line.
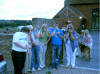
<point>71,45</point>
<point>19,49</point>
<point>27,66</point>
<point>44,34</point>
<point>35,59</point>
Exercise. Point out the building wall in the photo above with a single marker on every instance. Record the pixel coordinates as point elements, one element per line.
<point>63,22</point>
<point>41,21</point>
<point>87,11</point>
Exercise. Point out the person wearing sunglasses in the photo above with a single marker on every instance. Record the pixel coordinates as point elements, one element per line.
<point>71,44</point>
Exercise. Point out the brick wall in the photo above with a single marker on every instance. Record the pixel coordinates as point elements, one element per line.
<point>87,11</point>
<point>75,21</point>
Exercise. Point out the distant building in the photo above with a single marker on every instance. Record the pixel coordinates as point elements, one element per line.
<point>80,12</point>
<point>90,8</point>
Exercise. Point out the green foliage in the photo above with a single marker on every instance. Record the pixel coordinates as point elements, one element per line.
<point>14,23</point>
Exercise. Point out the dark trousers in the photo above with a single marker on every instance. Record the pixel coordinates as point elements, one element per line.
<point>18,59</point>
<point>56,50</point>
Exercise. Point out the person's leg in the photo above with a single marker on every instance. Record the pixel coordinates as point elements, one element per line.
<point>26,64</point>
<point>29,60</point>
<point>78,53</point>
<point>73,58</point>
<point>14,61</point>
<point>58,55</point>
<point>53,56</point>
<point>89,53</point>
<point>22,61</point>
<point>41,55</point>
<point>32,57</point>
<point>68,54</point>
<point>18,61</point>
<point>44,52</point>
<point>37,56</point>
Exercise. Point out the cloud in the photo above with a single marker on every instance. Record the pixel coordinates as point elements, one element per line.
<point>27,9</point>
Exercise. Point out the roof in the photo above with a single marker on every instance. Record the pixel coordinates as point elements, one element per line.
<point>69,11</point>
<point>83,1</point>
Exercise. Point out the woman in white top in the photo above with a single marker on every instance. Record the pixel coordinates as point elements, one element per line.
<point>19,49</point>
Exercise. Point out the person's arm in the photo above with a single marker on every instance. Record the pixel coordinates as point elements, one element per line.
<point>60,35</point>
<point>36,34</point>
<point>72,37</point>
<point>42,34</point>
<point>71,34</point>
<point>88,40</point>
<point>32,38</point>
<point>49,37</point>
<point>20,45</point>
<point>53,33</point>
<point>16,41</point>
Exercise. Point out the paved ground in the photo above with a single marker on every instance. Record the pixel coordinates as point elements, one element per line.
<point>82,66</point>
<point>95,62</point>
<point>62,70</point>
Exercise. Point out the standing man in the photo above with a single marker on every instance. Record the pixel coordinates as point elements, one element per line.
<point>56,41</point>
<point>19,49</point>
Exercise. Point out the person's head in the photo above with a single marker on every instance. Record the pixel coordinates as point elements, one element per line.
<point>25,29</point>
<point>70,27</point>
<point>86,32</point>
<point>69,22</point>
<point>56,26</point>
<point>44,27</point>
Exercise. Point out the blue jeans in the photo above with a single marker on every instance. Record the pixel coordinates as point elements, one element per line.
<point>35,56</point>
<point>56,50</point>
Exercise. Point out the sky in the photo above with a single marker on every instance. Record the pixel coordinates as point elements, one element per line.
<point>28,9</point>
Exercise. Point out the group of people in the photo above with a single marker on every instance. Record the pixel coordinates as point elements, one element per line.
<point>30,44</point>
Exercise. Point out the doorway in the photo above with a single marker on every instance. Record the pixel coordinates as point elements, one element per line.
<point>95,19</point>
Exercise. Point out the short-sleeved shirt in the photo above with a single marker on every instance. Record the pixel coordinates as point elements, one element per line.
<point>21,38</point>
<point>56,40</point>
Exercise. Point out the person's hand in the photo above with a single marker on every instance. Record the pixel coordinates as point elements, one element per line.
<point>45,43</point>
<point>58,33</point>
<point>26,47</point>
<point>56,28</point>
<point>70,31</point>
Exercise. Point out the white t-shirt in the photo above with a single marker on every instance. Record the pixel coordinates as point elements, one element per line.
<point>21,38</point>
